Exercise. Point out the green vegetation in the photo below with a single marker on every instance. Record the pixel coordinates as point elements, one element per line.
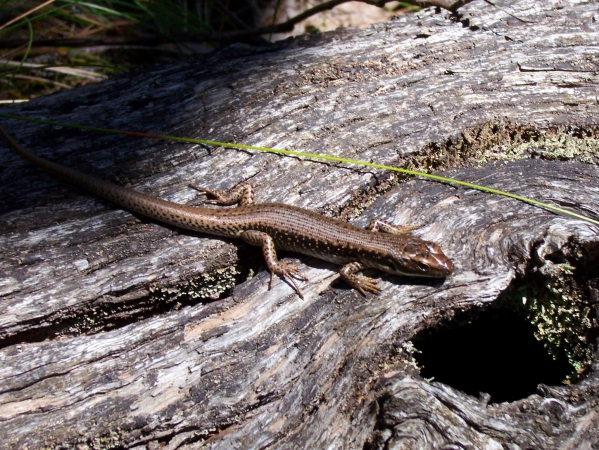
<point>84,42</point>
<point>554,298</point>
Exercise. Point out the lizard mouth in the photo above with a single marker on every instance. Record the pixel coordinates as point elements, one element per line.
<point>413,268</point>
<point>438,268</point>
<point>417,269</point>
<point>395,268</point>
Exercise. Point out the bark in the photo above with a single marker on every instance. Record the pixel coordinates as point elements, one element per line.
<point>120,332</point>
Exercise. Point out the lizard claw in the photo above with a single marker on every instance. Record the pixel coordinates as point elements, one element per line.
<point>209,192</point>
<point>364,284</point>
<point>360,283</point>
<point>288,271</point>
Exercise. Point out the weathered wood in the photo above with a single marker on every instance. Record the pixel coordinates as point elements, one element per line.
<point>113,333</point>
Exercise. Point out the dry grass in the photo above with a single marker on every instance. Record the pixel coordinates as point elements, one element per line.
<point>114,36</point>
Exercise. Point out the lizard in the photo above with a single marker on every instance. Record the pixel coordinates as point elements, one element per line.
<point>271,226</point>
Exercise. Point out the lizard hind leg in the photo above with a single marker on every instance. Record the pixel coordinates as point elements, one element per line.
<point>285,269</point>
<point>240,195</point>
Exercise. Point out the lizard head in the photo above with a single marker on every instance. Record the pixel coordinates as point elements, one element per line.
<point>414,257</point>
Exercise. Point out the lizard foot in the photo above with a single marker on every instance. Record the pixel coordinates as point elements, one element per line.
<point>288,271</point>
<point>363,284</point>
<point>360,283</point>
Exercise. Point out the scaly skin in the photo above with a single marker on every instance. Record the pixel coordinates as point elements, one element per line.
<point>277,226</point>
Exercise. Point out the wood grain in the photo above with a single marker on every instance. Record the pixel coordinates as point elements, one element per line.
<point>119,332</point>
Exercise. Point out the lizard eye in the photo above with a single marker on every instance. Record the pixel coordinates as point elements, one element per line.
<point>423,267</point>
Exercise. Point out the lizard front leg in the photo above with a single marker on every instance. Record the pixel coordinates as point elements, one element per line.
<point>359,282</point>
<point>284,269</point>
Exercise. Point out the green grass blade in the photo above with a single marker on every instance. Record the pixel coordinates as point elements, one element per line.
<point>314,156</point>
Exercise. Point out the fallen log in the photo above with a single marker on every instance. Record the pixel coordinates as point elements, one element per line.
<point>120,332</point>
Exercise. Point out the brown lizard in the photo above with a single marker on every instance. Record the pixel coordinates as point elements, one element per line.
<point>272,226</point>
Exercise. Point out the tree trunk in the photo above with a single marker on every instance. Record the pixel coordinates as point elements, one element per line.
<point>120,332</point>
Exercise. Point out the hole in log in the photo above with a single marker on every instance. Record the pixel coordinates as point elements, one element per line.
<point>542,329</point>
<point>495,353</point>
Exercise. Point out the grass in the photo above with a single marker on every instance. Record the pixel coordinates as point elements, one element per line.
<point>87,41</point>
<point>28,71</point>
